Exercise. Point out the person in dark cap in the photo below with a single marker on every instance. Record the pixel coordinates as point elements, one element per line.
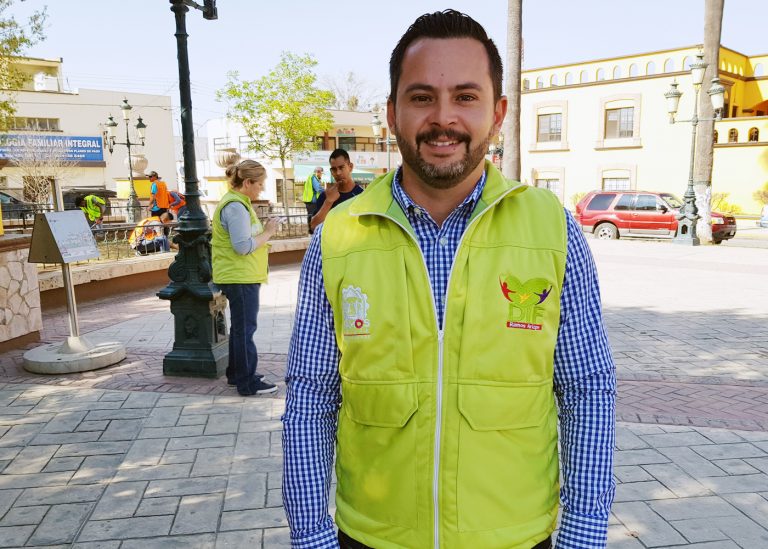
<point>159,199</point>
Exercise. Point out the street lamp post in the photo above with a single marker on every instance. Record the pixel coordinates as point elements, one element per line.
<point>376,126</point>
<point>689,213</point>
<point>200,334</point>
<point>134,208</point>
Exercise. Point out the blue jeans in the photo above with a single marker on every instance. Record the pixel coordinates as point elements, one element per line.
<point>243,359</point>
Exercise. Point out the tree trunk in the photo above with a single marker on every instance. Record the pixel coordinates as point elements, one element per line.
<point>702,172</point>
<point>510,165</point>
<point>284,185</point>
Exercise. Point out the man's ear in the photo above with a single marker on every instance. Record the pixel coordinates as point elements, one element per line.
<point>499,112</point>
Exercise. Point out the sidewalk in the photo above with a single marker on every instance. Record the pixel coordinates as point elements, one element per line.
<point>125,457</point>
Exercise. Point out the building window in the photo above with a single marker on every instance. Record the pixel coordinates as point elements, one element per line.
<point>669,65</point>
<point>31,124</point>
<point>539,82</point>
<point>526,84</point>
<point>550,127</point>
<point>619,122</point>
<point>244,145</point>
<point>616,72</point>
<point>754,135</point>
<point>220,143</point>
<point>583,77</point>
<point>551,184</point>
<point>600,74</point>
<point>687,63</point>
<point>616,184</point>
<point>633,71</point>
<point>553,80</point>
<point>568,79</point>
<point>733,135</point>
<point>650,68</point>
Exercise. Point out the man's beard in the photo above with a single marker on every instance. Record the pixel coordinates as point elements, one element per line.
<point>445,176</point>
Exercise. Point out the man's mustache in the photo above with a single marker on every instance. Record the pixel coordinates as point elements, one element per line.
<point>434,135</point>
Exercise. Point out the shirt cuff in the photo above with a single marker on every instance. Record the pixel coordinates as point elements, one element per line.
<point>581,532</point>
<point>322,539</point>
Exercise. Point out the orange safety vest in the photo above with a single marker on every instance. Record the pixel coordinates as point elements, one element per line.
<point>182,201</point>
<point>162,199</point>
<point>144,234</point>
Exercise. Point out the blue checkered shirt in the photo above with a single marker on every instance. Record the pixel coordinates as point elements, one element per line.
<point>585,385</point>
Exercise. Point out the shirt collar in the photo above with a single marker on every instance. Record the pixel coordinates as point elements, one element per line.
<point>410,207</point>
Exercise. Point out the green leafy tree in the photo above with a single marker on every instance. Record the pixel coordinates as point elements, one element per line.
<point>282,111</point>
<point>15,38</point>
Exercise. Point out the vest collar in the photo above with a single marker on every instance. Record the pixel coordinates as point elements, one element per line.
<point>378,200</point>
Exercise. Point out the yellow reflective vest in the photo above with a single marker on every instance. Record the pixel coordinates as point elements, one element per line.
<point>447,436</point>
<point>229,267</point>
<point>91,207</point>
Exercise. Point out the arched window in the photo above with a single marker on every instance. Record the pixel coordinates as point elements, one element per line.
<point>733,135</point>
<point>650,68</point>
<point>539,82</point>
<point>722,65</point>
<point>526,84</point>
<point>553,80</point>
<point>669,65</point>
<point>616,72</point>
<point>687,63</point>
<point>754,135</point>
<point>600,74</point>
<point>583,77</point>
<point>633,70</point>
<point>714,137</point>
<point>758,70</point>
<point>568,79</point>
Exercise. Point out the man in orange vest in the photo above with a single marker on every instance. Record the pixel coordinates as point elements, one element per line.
<point>159,200</point>
<point>178,203</point>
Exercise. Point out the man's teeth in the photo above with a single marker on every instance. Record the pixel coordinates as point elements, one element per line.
<point>442,143</point>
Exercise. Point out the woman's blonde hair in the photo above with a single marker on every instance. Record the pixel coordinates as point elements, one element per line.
<point>245,169</point>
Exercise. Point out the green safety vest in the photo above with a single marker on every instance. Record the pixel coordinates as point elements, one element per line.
<point>449,433</point>
<point>229,267</point>
<point>309,191</point>
<point>91,209</point>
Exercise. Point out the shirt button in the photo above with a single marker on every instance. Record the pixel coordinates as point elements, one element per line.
<point>443,241</point>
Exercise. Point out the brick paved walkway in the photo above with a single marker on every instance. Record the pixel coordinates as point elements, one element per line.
<point>124,457</point>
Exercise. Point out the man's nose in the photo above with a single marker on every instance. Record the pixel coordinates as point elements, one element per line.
<point>443,112</point>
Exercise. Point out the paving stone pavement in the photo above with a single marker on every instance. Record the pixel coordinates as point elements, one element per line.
<point>125,457</point>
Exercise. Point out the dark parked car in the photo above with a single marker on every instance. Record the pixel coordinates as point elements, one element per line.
<point>16,208</point>
<point>611,214</point>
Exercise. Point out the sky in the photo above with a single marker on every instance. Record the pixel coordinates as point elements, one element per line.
<point>130,44</point>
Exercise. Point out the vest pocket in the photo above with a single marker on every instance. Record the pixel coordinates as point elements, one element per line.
<point>507,455</point>
<point>375,462</point>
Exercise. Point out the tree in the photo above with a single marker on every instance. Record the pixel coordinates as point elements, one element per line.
<point>15,38</point>
<point>350,93</point>
<point>40,163</point>
<point>761,195</point>
<point>510,162</point>
<point>702,172</point>
<point>281,112</point>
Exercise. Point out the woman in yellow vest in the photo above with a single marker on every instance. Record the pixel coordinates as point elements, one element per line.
<point>240,252</point>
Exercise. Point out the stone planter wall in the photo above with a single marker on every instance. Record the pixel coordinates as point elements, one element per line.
<point>20,314</point>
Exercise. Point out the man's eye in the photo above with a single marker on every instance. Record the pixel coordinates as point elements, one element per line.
<point>466,97</point>
<point>420,98</point>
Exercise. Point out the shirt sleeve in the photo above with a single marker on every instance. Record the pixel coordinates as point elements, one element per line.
<point>153,188</point>
<point>237,222</point>
<point>585,387</point>
<point>311,410</point>
<point>316,185</point>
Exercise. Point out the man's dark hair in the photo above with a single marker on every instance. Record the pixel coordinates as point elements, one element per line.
<point>339,153</point>
<point>80,200</point>
<point>445,24</point>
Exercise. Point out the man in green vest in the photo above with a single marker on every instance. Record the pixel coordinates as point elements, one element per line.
<point>313,186</point>
<point>94,208</point>
<point>448,338</point>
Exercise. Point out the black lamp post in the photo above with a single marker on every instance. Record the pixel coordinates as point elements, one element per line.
<point>134,208</point>
<point>200,335</point>
<point>689,213</point>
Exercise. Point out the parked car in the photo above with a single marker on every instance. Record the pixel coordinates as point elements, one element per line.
<point>613,214</point>
<point>15,207</point>
<point>764,217</point>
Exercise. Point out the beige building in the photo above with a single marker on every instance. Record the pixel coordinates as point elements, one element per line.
<point>49,114</point>
<point>603,124</point>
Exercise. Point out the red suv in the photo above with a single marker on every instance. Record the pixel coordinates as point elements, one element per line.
<point>610,214</point>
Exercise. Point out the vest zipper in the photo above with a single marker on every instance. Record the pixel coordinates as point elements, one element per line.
<point>440,345</point>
